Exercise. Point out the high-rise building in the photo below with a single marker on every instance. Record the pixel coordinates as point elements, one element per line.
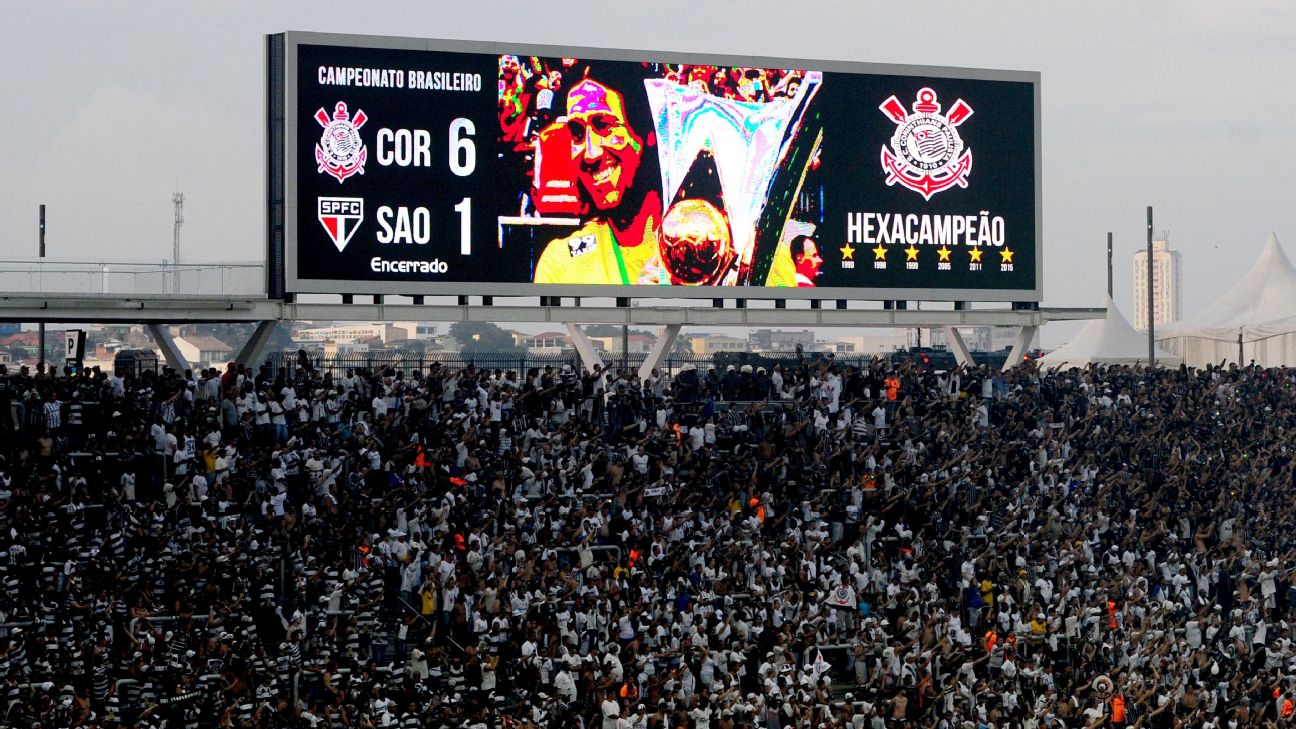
<point>1165,285</point>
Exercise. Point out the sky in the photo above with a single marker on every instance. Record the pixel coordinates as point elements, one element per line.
<point>1186,106</point>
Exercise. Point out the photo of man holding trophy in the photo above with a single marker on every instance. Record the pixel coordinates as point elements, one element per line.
<point>697,189</point>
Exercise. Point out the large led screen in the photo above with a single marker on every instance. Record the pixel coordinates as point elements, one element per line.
<point>439,167</point>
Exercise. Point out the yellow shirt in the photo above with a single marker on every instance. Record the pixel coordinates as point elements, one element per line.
<point>589,256</point>
<point>782,269</point>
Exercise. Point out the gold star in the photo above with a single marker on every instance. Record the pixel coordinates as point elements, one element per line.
<point>911,253</point>
<point>944,253</point>
<point>976,255</point>
<point>879,253</point>
<point>848,253</point>
<point>1006,255</point>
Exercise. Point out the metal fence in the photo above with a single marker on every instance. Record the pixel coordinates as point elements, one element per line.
<point>516,362</point>
<point>132,278</point>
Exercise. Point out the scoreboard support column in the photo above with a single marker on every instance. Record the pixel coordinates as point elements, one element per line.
<point>170,352</point>
<point>253,351</point>
<point>1024,338</point>
<point>961,353</point>
<point>588,354</point>
<point>664,344</point>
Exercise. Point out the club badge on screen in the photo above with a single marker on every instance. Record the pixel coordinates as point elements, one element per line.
<point>340,151</point>
<point>341,217</point>
<point>927,153</point>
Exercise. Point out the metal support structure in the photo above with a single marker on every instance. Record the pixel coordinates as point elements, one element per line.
<point>956,343</point>
<point>625,346</point>
<point>664,344</point>
<point>174,359</point>
<point>1025,336</point>
<point>169,309</point>
<point>253,351</point>
<point>584,347</point>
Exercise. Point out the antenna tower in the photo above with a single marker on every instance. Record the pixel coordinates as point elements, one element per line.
<point>178,200</point>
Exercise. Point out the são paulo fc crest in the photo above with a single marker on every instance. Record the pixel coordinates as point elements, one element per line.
<point>340,151</point>
<point>341,217</point>
<point>926,153</point>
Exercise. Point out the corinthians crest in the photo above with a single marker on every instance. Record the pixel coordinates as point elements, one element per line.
<point>340,151</point>
<point>926,154</point>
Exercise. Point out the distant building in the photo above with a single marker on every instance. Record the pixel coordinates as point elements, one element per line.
<point>874,341</point>
<point>202,352</point>
<point>23,347</point>
<point>348,333</point>
<point>1165,285</point>
<point>635,342</point>
<point>979,339</point>
<point>334,349</point>
<point>711,344</point>
<point>778,340</point>
<point>544,342</point>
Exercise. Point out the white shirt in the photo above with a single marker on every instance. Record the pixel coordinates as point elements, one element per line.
<point>565,686</point>
<point>611,711</point>
<point>277,503</point>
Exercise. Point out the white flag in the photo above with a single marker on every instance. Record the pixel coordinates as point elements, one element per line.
<point>843,596</point>
<point>820,665</point>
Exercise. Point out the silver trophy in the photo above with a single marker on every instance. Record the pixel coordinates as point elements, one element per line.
<point>723,162</point>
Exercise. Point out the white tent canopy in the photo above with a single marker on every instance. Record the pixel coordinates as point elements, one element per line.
<point>1257,315</point>
<point>1110,340</point>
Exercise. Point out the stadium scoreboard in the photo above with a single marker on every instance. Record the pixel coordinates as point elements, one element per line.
<point>425,167</point>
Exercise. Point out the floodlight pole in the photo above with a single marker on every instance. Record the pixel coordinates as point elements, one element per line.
<point>1109,264</point>
<point>1150,322</point>
<point>41,358</point>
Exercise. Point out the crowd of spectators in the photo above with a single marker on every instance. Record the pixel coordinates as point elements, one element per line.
<point>815,545</point>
